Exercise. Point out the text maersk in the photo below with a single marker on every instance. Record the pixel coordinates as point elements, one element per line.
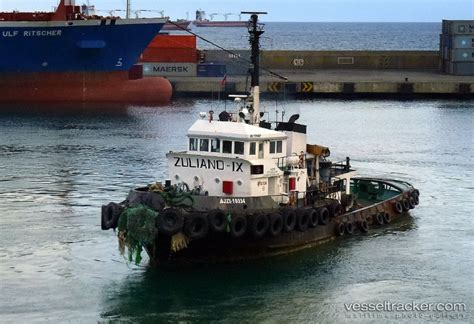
<point>168,69</point>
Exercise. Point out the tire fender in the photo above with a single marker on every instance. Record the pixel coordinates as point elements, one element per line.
<point>289,219</point>
<point>196,226</point>
<point>217,220</point>
<point>258,225</point>
<point>170,221</point>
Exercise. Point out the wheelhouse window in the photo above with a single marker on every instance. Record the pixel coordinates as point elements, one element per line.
<point>193,144</point>
<point>253,148</point>
<point>204,145</point>
<point>279,146</point>
<point>272,147</point>
<point>276,147</point>
<point>216,145</point>
<point>238,147</point>
<point>227,147</point>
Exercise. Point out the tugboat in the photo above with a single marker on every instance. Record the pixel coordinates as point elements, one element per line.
<point>247,188</point>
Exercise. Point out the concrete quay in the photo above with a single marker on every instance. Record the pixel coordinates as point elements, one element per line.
<point>321,82</point>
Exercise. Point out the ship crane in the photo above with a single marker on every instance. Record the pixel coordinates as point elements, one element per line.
<point>226,15</point>
<point>137,12</point>
<point>111,12</point>
<point>212,15</point>
<point>88,9</point>
<point>127,10</point>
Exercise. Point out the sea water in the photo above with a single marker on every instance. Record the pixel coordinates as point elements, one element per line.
<point>329,36</point>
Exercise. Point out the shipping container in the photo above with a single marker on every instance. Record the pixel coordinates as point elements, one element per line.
<point>446,40</point>
<point>170,69</point>
<point>445,53</point>
<point>236,63</point>
<point>457,27</point>
<point>461,68</point>
<point>462,55</point>
<point>173,41</point>
<point>462,41</point>
<point>445,66</point>
<point>456,41</point>
<point>211,70</point>
<point>170,55</point>
<point>442,66</point>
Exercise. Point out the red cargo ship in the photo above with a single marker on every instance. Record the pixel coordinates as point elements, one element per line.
<point>201,21</point>
<point>68,56</point>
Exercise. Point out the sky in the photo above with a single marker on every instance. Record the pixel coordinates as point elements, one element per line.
<point>283,10</point>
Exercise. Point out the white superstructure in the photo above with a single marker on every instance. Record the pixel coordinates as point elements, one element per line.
<point>236,159</point>
<point>240,156</point>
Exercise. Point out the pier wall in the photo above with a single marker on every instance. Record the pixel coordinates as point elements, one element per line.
<point>331,73</point>
<point>419,60</point>
<point>310,60</point>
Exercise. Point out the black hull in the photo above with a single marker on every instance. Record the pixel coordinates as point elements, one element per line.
<point>222,248</point>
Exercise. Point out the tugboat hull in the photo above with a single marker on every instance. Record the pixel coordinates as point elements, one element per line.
<point>224,248</point>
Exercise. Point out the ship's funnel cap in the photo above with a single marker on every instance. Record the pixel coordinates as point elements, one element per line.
<point>293,118</point>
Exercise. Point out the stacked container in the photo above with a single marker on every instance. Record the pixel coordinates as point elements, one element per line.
<point>457,47</point>
<point>170,56</point>
<point>211,70</point>
<point>235,64</point>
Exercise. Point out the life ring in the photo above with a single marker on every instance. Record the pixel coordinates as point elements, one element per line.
<point>275,224</point>
<point>196,226</point>
<point>340,229</point>
<point>411,202</point>
<point>335,209</point>
<point>406,205</point>
<point>182,187</point>
<point>386,218</point>
<point>363,226</point>
<point>110,215</point>
<point>323,216</point>
<point>170,221</point>
<point>217,220</point>
<point>302,220</point>
<point>238,225</point>
<point>289,219</point>
<point>349,228</point>
<point>313,217</point>
<point>378,218</point>
<point>398,207</point>
<point>258,224</point>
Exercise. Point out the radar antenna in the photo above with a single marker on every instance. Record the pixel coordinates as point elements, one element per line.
<point>255,30</point>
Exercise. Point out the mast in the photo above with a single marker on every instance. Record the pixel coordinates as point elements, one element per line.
<point>255,30</point>
<point>128,10</point>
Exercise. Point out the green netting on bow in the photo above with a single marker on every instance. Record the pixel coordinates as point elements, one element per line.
<point>137,228</point>
<point>178,199</point>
